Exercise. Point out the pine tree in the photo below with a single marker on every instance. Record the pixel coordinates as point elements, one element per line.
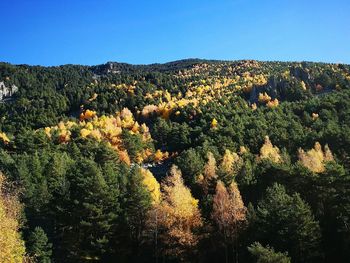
<point>287,223</point>
<point>267,254</point>
<point>94,207</point>
<point>191,164</point>
<point>138,204</point>
<point>39,247</point>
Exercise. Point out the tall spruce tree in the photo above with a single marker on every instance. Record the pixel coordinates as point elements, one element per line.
<point>286,222</point>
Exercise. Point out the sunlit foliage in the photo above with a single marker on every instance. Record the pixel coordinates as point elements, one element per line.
<point>12,248</point>
<point>268,151</point>
<point>179,216</point>
<point>152,185</point>
<point>315,158</point>
<point>4,138</point>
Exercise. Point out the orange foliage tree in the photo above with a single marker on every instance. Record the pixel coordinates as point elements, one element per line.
<point>88,114</point>
<point>264,97</point>
<point>272,103</point>
<point>229,213</point>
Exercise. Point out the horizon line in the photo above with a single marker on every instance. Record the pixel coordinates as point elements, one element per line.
<point>173,61</point>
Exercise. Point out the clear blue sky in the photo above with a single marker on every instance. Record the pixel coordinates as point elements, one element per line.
<point>54,32</point>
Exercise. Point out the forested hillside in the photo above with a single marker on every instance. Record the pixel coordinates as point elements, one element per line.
<point>188,161</point>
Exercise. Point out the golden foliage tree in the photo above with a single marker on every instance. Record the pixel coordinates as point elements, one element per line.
<point>315,158</point>
<point>264,97</point>
<point>12,248</point>
<point>108,129</point>
<point>229,211</point>
<point>230,161</point>
<point>230,165</point>
<point>178,217</point>
<point>88,114</point>
<point>268,151</point>
<point>303,85</point>
<point>152,185</point>
<point>160,156</point>
<point>214,124</point>
<point>4,138</point>
<point>127,118</point>
<point>208,180</point>
<point>124,156</point>
<point>272,103</point>
<point>314,116</point>
<point>328,156</point>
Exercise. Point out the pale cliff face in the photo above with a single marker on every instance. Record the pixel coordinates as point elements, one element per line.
<point>7,91</point>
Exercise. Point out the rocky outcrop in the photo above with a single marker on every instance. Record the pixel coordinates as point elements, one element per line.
<point>6,92</point>
<point>272,88</point>
<point>300,74</point>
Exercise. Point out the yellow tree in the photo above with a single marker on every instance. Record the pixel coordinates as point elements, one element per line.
<point>208,180</point>
<point>228,160</point>
<point>303,85</point>
<point>229,214</point>
<point>152,185</point>
<point>272,103</point>
<point>4,138</point>
<point>127,118</point>
<point>12,248</point>
<point>315,158</point>
<point>264,97</point>
<point>268,151</point>
<point>229,167</point>
<point>214,123</point>
<point>149,109</point>
<point>178,217</point>
<point>153,214</point>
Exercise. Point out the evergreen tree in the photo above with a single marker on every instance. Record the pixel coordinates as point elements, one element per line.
<point>138,203</point>
<point>267,254</point>
<point>38,246</point>
<point>287,223</point>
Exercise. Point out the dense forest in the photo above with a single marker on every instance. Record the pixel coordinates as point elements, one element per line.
<point>188,161</point>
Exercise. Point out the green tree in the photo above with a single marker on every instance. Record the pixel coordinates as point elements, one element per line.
<point>38,246</point>
<point>287,223</point>
<point>191,164</point>
<point>93,209</point>
<point>136,208</point>
<point>267,254</point>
